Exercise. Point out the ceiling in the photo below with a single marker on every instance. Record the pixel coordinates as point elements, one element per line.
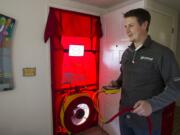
<point>175,4</point>
<point>101,3</point>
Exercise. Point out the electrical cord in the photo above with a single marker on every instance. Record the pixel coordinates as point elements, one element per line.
<point>113,90</point>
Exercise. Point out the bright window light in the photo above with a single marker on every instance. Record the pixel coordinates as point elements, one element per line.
<point>76,50</point>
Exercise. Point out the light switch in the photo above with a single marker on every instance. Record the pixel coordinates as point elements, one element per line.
<point>29,71</point>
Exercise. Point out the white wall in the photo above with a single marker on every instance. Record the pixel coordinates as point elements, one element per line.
<point>113,44</point>
<point>26,110</point>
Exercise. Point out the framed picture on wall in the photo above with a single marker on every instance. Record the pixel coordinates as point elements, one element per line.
<point>6,33</point>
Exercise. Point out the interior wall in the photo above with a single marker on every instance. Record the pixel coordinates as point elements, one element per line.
<point>113,44</point>
<point>26,110</point>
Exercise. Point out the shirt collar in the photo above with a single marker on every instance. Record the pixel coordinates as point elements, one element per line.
<point>146,43</point>
<point>137,48</point>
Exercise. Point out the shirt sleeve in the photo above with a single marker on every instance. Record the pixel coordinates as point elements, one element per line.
<point>170,73</point>
<point>119,79</point>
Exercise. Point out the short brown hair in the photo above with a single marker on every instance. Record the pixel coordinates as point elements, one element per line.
<point>141,14</point>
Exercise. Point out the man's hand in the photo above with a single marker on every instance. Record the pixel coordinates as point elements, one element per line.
<point>142,108</point>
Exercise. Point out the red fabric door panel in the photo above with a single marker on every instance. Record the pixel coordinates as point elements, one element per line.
<point>69,73</point>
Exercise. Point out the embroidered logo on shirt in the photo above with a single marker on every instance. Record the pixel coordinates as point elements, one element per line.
<point>176,79</point>
<point>146,58</point>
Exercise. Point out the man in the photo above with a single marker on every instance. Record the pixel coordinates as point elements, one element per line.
<point>150,77</point>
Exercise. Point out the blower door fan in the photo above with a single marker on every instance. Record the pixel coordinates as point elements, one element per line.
<point>78,113</point>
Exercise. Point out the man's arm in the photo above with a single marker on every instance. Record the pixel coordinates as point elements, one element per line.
<point>171,75</point>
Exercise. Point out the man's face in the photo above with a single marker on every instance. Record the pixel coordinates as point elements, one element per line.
<point>134,30</point>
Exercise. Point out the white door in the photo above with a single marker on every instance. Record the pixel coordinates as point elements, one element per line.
<point>161,28</point>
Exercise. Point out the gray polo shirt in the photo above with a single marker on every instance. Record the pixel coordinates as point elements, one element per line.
<point>150,73</point>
